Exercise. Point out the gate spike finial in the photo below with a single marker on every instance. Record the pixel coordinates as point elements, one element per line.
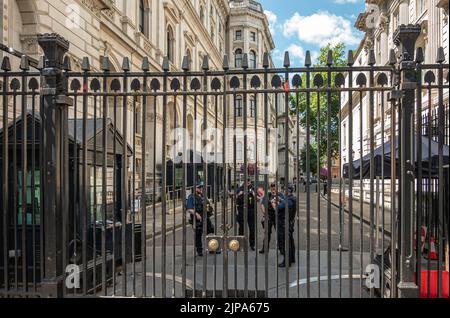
<point>24,63</point>
<point>185,64</point>
<point>266,60</point>
<point>330,58</point>
<point>205,63</point>
<point>392,57</point>
<point>419,55</point>
<point>225,64</point>
<point>287,60</point>
<point>245,61</point>
<point>145,64</point>
<point>350,58</point>
<point>6,64</point>
<point>440,55</point>
<point>126,64</point>
<point>166,64</point>
<point>67,64</point>
<point>308,59</point>
<point>372,58</point>
<point>106,65</point>
<point>86,65</point>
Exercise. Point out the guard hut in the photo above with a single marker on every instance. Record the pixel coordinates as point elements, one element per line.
<point>26,247</point>
<point>194,173</point>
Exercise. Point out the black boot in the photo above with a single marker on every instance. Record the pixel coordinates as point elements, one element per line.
<point>200,253</point>
<point>262,251</point>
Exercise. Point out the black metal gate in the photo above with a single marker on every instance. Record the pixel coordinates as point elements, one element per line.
<point>104,180</point>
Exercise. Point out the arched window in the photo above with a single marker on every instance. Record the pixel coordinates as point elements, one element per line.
<point>252,107</point>
<point>143,17</point>
<point>238,58</point>
<point>252,58</point>
<point>202,15</point>
<point>170,44</point>
<point>238,106</point>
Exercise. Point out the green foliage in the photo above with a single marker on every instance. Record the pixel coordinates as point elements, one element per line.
<point>319,108</point>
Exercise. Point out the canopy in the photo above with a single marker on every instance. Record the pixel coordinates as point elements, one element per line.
<point>430,164</point>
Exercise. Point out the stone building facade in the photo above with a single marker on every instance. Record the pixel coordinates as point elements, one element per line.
<point>379,22</point>
<point>140,28</point>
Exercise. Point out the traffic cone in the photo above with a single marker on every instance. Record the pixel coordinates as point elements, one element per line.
<point>432,254</point>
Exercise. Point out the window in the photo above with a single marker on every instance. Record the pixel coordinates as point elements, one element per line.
<point>253,36</point>
<point>238,58</point>
<point>239,151</point>
<point>238,35</point>
<point>143,18</point>
<point>421,5</point>
<point>252,107</point>
<point>170,44</point>
<point>252,59</point>
<point>238,106</point>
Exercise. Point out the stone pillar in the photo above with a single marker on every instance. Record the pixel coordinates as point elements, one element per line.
<point>434,31</point>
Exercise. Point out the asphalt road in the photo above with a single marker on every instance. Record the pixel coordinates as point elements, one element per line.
<point>252,271</point>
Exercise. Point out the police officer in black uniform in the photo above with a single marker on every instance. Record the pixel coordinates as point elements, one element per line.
<point>251,204</point>
<point>291,202</point>
<point>195,208</point>
<point>274,197</point>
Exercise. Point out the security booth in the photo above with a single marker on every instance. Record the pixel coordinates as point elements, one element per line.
<point>25,231</point>
<point>194,173</point>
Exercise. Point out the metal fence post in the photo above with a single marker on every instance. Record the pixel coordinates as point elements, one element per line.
<point>54,165</point>
<point>405,38</point>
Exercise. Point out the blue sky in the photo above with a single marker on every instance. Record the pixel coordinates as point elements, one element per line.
<point>300,25</point>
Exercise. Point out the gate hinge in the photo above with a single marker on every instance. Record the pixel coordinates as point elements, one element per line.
<point>63,100</point>
<point>395,95</point>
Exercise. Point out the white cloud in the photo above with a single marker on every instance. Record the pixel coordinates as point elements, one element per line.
<point>296,53</point>
<point>321,28</point>
<point>346,1</point>
<point>273,19</point>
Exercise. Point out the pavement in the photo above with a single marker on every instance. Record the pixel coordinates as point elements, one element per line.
<point>382,216</point>
<point>322,268</point>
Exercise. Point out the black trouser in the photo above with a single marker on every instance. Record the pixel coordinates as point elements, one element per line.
<point>281,234</point>
<point>199,233</point>
<point>250,222</point>
<point>271,221</point>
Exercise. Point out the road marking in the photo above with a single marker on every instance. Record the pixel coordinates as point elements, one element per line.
<point>178,279</point>
<point>304,281</point>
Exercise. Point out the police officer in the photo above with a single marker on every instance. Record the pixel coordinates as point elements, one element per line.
<point>251,206</point>
<point>195,208</point>
<point>274,198</point>
<point>291,202</point>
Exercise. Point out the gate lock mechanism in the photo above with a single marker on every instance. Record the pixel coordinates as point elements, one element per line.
<point>234,244</point>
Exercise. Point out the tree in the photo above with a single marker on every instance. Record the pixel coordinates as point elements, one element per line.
<point>321,125</point>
